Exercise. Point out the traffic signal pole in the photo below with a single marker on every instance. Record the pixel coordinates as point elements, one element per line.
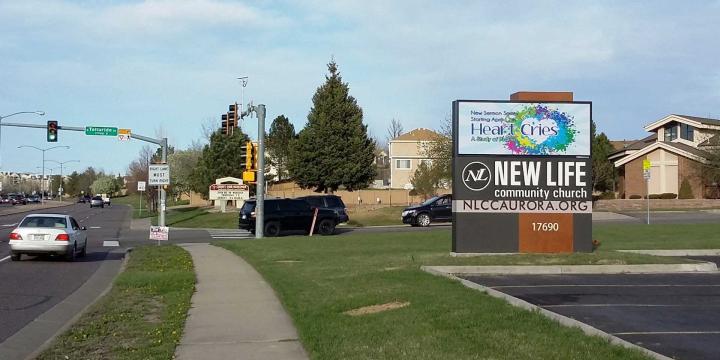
<point>160,142</point>
<point>260,196</point>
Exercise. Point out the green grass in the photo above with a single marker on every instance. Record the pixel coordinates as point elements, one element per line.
<point>194,217</point>
<point>445,320</point>
<point>657,236</point>
<point>142,317</point>
<point>383,216</point>
<point>134,201</point>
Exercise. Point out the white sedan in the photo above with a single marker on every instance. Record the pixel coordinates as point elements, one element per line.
<point>56,234</point>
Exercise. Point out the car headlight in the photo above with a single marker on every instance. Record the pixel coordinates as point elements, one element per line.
<point>407,212</point>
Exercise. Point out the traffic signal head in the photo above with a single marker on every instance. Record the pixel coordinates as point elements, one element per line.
<point>255,155</point>
<point>243,157</point>
<point>250,155</point>
<point>52,131</point>
<point>232,115</point>
<point>224,125</point>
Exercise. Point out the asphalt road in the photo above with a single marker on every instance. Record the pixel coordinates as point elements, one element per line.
<point>32,286</point>
<point>677,315</point>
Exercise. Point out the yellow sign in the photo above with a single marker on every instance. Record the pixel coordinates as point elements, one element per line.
<point>248,176</point>
<point>647,164</point>
<point>124,134</point>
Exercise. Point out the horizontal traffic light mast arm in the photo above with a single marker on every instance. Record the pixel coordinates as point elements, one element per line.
<point>78,128</point>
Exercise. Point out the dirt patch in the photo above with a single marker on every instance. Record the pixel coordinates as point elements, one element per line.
<point>393,268</point>
<point>153,311</point>
<point>373,309</point>
<point>287,261</point>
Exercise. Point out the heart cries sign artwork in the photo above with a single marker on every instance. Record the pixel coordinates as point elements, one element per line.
<point>522,177</point>
<point>507,128</point>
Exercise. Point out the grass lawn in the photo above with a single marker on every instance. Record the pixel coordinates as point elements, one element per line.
<point>134,201</point>
<point>383,216</point>
<point>657,236</point>
<point>194,217</point>
<point>318,279</point>
<point>142,317</point>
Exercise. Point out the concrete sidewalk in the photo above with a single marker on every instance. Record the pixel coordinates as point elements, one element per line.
<point>234,313</point>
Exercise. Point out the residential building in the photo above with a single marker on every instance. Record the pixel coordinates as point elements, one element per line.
<point>406,153</point>
<point>676,148</point>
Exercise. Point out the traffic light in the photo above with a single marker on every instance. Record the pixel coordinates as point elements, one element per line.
<point>232,115</point>
<point>243,157</point>
<point>255,155</point>
<point>249,156</point>
<point>224,125</point>
<point>52,131</point>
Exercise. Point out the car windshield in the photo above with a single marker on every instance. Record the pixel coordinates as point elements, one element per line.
<point>97,198</point>
<point>430,200</point>
<point>248,206</point>
<point>44,222</point>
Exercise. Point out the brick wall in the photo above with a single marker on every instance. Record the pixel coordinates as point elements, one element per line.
<point>688,168</point>
<point>634,182</point>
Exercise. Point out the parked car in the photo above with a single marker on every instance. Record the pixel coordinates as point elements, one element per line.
<point>97,201</point>
<point>4,199</point>
<point>287,214</point>
<point>55,234</point>
<point>17,199</point>
<point>436,209</point>
<point>332,202</point>
<point>34,199</point>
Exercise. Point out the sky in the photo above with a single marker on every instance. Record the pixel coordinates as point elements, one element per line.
<point>165,68</point>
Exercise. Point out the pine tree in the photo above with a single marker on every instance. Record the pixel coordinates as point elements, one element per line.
<point>279,140</point>
<point>334,148</point>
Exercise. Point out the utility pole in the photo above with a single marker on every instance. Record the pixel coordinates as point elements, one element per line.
<point>161,193</point>
<point>260,196</point>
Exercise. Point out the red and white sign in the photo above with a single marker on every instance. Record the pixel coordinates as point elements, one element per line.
<point>160,233</point>
<point>229,192</point>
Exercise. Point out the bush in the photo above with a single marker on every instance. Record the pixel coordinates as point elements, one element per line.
<point>608,195</point>
<point>635,196</point>
<point>685,190</point>
<point>668,196</point>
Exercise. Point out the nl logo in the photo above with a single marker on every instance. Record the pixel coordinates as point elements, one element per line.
<point>476,176</point>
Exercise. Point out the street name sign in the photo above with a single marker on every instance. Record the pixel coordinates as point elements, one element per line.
<point>141,186</point>
<point>101,130</point>
<point>159,174</point>
<point>236,192</point>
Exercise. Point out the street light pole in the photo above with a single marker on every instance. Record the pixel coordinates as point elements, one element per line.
<point>42,182</point>
<point>40,113</point>
<point>61,174</point>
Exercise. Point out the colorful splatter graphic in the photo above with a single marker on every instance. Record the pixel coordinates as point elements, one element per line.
<point>539,130</point>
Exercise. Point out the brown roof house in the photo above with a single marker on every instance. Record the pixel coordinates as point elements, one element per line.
<point>676,148</point>
<point>406,153</point>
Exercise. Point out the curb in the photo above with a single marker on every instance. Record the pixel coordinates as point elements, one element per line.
<point>35,337</point>
<point>678,252</point>
<point>705,267</point>
<point>563,320</point>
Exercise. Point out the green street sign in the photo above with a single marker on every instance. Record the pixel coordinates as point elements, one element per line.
<point>101,130</point>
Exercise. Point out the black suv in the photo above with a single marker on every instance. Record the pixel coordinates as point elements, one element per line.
<point>331,202</point>
<point>436,209</point>
<point>287,214</point>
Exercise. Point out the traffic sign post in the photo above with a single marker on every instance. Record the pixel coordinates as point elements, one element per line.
<point>647,165</point>
<point>141,189</point>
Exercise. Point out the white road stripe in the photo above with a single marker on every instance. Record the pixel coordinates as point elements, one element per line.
<point>95,227</point>
<point>604,285</point>
<point>667,333</point>
<point>5,258</point>
<point>9,224</point>
<point>107,243</point>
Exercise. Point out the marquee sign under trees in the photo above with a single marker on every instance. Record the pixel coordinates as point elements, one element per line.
<point>522,177</point>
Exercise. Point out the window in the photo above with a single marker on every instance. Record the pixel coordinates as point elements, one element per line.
<point>74,223</point>
<point>44,222</point>
<point>687,132</point>
<point>671,132</point>
<point>402,164</point>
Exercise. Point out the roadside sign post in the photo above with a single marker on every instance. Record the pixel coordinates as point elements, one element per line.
<point>159,175</point>
<point>647,165</point>
<point>159,233</point>
<point>141,189</point>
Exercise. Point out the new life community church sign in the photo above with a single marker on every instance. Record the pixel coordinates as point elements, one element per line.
<point>522,177</point>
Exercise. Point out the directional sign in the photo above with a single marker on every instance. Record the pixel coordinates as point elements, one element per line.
<point>159,174</point>
<point>124,134</point>
<point>101,130</point>
<point>647,164</point>
<point>141,186</point>
<point>646,174</point>
<point>229,192</point>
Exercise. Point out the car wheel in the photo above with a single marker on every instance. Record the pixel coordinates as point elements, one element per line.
<point>83,252</point>
<point>70,256</point>
<point>15,256</point>
<point>423,220</point>
<point>326,227</point>
<point>272,229</point>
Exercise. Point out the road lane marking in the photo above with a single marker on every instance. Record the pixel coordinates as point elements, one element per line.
<point>604,285</point>
<point>107,243</point>
<point>95,227</point>
<point>8,225</point>
<point>5,258</point>
<point>667,333</point>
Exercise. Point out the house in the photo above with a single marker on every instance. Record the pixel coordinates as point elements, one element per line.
<point>406,153</point>
<point>676,148</point>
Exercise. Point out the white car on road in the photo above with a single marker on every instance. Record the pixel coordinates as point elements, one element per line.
<point>56,234</point>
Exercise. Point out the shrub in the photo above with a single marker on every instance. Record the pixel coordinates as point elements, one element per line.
<point>635,196</point>
<point>685,190</point>
<point>654,196</point>
<point>608,195</point>
<point>668,196</point>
